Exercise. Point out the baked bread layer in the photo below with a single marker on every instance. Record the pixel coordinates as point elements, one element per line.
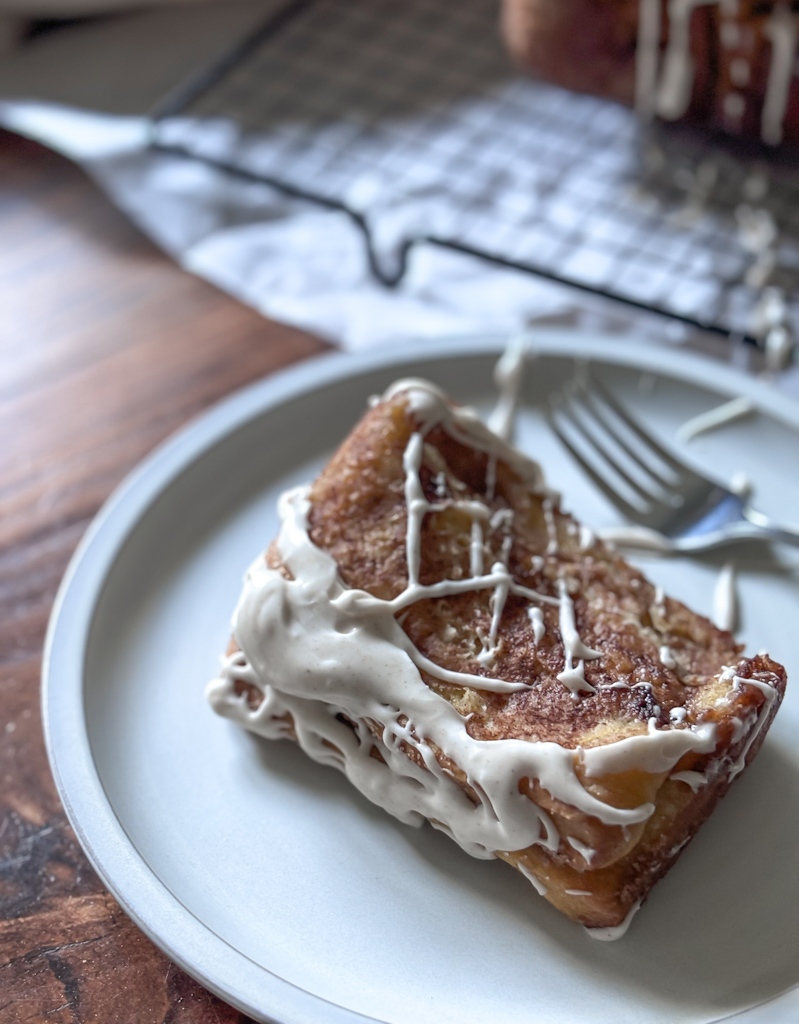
<point>617,715</point>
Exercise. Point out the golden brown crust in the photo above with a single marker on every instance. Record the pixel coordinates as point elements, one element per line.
<point>358,515</point>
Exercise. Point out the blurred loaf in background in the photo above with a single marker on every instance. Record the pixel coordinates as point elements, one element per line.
<point>728,65</point>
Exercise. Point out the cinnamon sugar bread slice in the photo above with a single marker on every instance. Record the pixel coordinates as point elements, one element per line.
<point>433,624</point>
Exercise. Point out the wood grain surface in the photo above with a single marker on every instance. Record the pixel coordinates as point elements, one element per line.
<point>106,347</point>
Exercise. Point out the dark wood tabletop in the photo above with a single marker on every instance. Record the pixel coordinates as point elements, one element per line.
<point>106,347</point>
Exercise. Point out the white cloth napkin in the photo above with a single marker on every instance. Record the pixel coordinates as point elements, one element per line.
<point>85,90</point>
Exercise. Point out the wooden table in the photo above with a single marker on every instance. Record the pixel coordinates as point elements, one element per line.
<point>106,347</point>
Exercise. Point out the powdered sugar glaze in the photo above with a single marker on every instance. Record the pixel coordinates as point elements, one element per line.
<point>317,649</point>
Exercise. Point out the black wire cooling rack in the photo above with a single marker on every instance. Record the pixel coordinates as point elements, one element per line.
<point>408,118</point>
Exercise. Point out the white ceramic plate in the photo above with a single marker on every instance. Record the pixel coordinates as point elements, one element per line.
<point>268,877</point>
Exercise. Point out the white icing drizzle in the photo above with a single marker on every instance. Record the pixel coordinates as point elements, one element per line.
<point>693,779</point>
<point>573,676</point>
<point>536,882</point>
<point>725,599</point>
<point>674,93</point>
<point>667,657</point>
<point>502,518</point>
<point>586,852</point>
<point>781,31</point>
<point>508,376</point>
<point>728,412</point>
<point>648,756</point>
<point>611,934</point>
<point>316,650</point>
<point>430,405</point>
<point>739,726</point>
<point>676,849</point>
<point>314,656</point>
<point>418,507</point>
<point>552,527</point>
<point>770,693</point>
<point>678,715</point>
<point>498,599</point>
<point>640,537</point>
<point>587,538</point>
<point>578,892</point>
<point>537,622</point>
<point>476,548</point>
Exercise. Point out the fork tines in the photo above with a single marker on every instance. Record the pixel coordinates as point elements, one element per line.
<point>626,463</point>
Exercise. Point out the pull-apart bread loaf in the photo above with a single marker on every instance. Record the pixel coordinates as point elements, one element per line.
<point>728,65</point>
<point>430,622</point>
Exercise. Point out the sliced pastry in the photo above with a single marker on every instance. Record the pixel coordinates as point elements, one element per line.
<point>431,622</point>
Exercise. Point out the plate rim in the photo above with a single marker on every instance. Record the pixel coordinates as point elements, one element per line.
<point>169,924</point>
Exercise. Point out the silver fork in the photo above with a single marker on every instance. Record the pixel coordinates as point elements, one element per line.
<point>648,484</point>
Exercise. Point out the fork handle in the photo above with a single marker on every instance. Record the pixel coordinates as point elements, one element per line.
<point>783,532</point>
